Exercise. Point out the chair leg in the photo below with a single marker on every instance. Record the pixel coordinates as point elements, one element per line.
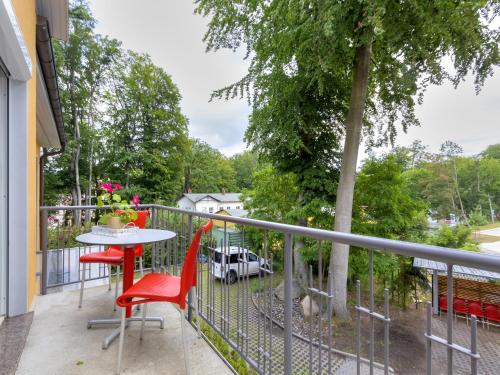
<point>184,342</point>
<point>120,345</point>
<point>143,323</point>
<point>141,266</point>
<point>109,277</point>
<point>82,285</point>
<point>117,282</point>
<point>196,311</point>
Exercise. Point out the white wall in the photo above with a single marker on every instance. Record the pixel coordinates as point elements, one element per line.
<point>206,204</point>
<point>186,204</point>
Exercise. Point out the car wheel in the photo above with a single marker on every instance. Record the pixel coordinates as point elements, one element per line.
<point>231,278</point>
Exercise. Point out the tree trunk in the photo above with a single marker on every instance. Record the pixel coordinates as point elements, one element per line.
<point>339,257</point>
<point>455,179</point>
<point>88,198</point>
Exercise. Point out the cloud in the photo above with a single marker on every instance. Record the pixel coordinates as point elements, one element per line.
<point>172,35</point>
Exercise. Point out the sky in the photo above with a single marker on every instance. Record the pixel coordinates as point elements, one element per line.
<point>172,34</point>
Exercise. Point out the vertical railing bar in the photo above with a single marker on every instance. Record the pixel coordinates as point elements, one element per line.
<point>428,331</point>
<point>320,307</point>
<point>449,317</point>
<point>358,327</point>
<point>259,317</point>
<point>330,314</point>
<point>473,345</point>
<point>372,319</point>
<point>386,331</point>
<point>311,319</point>
<point>288,305</point>
<point>190,294</point>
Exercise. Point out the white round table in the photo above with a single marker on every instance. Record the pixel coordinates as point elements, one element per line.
<point>128,242</point>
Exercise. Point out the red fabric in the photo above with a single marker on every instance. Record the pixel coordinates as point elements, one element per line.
<point>475,309</point>
<point>459,306</point>
<point>142,217</point>
<point>492,312</point>
<point>443,303</point>
<point>108,257</point>
<point>156,287</point>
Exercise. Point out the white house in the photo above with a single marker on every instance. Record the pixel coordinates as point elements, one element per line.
<point>210,202</point>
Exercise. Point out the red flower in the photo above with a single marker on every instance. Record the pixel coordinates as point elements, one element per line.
<point>108,187</point>
<point>117,186</point>
<point>135,200</point>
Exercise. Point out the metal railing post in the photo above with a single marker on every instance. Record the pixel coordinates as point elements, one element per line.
<point>190,294</point>
<point>43,246</point>
<point>287,323</point>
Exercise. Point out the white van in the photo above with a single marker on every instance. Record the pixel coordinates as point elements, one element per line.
<point>221,268</point>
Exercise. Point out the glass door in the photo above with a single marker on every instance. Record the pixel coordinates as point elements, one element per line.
<point>3,190</point>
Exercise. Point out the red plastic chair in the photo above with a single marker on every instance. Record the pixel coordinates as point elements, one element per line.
<point>476,309</point>
<point>157,287</point>
<point>460,307</point>
<point>113,256</point>
<point>492,313</point>
<point>443,303</point>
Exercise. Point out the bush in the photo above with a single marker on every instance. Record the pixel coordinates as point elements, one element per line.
<point>455,237</point>
<point>476,218</point>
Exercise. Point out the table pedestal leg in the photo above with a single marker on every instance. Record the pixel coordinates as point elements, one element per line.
<point>128,272</point>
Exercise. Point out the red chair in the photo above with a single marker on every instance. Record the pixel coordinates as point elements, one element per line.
<point>157,287</point>
<point>443,303</point>
<point>492,313</point>
<point>476,309</point>
<point>460,307</point>
<point>113,256</point>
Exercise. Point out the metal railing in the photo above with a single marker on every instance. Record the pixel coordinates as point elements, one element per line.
<point>266,331</point>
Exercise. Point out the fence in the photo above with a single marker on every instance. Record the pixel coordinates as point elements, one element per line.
<point>238,288</point>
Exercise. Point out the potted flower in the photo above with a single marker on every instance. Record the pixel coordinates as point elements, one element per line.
<point>120,212</point>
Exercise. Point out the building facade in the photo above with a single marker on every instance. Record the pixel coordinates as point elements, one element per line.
<point>30,125</point>
<point>210,202</point>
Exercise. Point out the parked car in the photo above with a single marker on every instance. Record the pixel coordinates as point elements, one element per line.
<point>222,269</point>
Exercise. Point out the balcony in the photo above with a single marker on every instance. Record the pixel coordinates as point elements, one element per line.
<point>253,329</point>
<point>60,343</point>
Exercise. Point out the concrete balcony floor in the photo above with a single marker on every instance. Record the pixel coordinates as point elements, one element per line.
<point>60,343</point>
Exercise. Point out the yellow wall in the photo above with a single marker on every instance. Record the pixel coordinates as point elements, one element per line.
<point>220,223</point>
<point>26,17</point>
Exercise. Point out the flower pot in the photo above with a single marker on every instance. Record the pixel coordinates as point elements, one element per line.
<point>115,223</point>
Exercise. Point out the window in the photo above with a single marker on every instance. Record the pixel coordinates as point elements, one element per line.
<point>228,207</point>
<point>217,257</point>
<point>233,258</point>
<point>237,207</point>
<point>252,257</point>
<point>211,210</point>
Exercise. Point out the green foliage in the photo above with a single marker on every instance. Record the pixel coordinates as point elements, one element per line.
<point>453,237</point>
<point>207,170</point>
<point>493,152</point>
<point>383,205</point>
<point>477,218</point>
<point>244,164</point>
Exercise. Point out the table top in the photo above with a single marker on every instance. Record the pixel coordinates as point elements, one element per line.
<point>142,236</point>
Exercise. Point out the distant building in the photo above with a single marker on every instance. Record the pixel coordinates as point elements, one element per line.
<point>230,212</point>
<point>210,202</point>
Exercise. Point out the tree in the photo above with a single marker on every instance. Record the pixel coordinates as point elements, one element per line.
<point>82,66</point>
<point>207,170</point>
<point>368,54</point>
<point>146,133</point>
<point>493,151</point>
<point>244,165</point>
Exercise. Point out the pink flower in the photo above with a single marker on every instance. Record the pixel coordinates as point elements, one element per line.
<point>117,186</point>
<point>135,200</point>
<point>108,187</point>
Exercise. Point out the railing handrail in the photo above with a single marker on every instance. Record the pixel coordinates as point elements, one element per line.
<point>442,254</point>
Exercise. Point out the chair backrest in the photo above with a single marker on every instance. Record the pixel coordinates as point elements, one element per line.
<point>443,302</point>
<point>492,312</point>
<point>188,274</point>
<point>142,217</point>
<point>475,308</point>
